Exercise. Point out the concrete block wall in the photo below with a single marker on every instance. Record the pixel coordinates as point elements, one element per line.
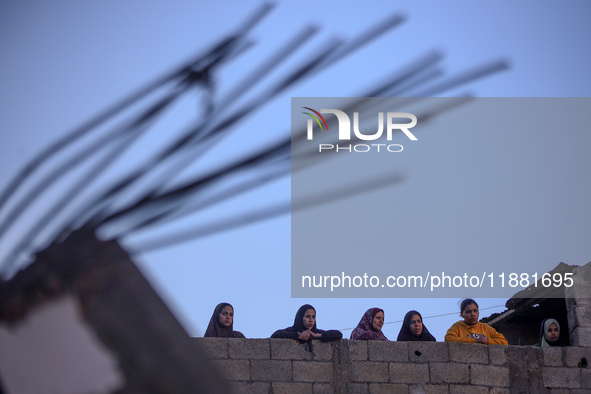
<point>579,320</point>
<point>286,366</point>
<point>578,306</point>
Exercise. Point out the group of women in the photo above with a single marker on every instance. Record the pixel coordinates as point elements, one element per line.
<point>304,329</point>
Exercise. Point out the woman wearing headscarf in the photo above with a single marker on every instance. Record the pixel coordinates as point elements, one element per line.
<point>470,330</point>
<point>221,324</point>
<point>304,328</point>
<point>413,328</point>
<point>370,326</point>
<point>550,333</point>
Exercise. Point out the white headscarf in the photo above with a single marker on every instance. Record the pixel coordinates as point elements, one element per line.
<point>544,340</point>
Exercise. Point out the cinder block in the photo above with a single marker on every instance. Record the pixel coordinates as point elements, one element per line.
<point>577,357</point>
<point>525,369</point>
<point>449,373</point>
<point>489,375</point>
<point>288,349</point>
<point>322,350</point>
<point>215,347</point>
<point>428,351</point>
<point>383,388</point>
<point>409,373</point>
<point>357,350</point>
<point>292,388</point>
<point>552,356</point>
<point>569,378</point>
<point>432,389</point>
<point>584,301</point>
<point>323,388</point>
<point>464,389</point>
<point>499,390</point>
<point>369,371</point>
<point>250,387</point>
<point>312,371</point>
<point>586,378</point>
<point>357,388</point>
<point>579,315</point>
<point>254,349</point>
<point>581,336</point>
<point>387,351</point>
<point>468,353</point>
<point>234,369</point>
<point>497,354</point>
<point>271,370</point>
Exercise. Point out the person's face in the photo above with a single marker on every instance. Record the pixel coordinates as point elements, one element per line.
<point>553,333</point>
<point>227,316</point>
<point>378,321</point>
<point>470,314</point>
<point>309,319</point>
<point>416,325</point>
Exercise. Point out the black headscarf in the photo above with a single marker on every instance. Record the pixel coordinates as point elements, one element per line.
<point>298,321</point>
<point>405,333</point>
<point>294,331</point>
<point>215,329</point>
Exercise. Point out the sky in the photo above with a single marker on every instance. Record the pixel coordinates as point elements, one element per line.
<point>65,61</point>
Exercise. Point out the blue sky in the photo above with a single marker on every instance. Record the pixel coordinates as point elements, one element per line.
<point>65,61</point>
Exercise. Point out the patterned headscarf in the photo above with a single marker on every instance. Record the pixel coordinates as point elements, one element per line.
<point>365,328</point>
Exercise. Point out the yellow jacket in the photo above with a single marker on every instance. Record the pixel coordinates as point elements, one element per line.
<point>461,332</point>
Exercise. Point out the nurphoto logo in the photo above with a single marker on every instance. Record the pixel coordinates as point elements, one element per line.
<point>345,130</point>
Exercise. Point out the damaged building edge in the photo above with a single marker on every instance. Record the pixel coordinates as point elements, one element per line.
<point>115,305</point>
